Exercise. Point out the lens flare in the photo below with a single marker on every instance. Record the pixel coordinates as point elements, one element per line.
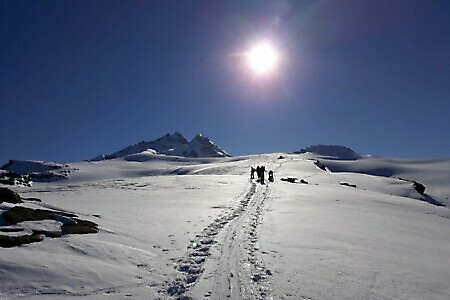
<point>262,58</point>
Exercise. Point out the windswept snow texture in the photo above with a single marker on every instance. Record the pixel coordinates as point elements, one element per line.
<point>172,144</point>
<point>332,151</point>
<point>174,227</point>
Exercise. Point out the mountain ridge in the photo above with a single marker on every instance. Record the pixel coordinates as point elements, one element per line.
<point>334,151</point>
<point>171,144</point>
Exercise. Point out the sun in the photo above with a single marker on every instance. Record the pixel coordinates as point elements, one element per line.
<point>262,58</point>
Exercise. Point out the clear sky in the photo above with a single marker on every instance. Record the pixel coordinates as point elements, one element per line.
<point>82,78</point>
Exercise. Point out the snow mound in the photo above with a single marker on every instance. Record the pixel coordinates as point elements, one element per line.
<point>24,167</point>
<point>171,144</point>
<point>332,151</point>
<point>38,170</point>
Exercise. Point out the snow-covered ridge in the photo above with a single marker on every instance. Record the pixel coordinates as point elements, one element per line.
<point>171,144</point>
<point>38,170</point>
<point>23,167</point>
<point>332,151</point>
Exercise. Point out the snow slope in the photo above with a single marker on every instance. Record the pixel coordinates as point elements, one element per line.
<point>198,227</point>
<point>433,173</point>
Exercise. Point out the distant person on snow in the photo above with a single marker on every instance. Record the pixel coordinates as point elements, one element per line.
<point>252,173</point>
<point>262,170</point>
<point>258,172</point>
<point>270,176</point>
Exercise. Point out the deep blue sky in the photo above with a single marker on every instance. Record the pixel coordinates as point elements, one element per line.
<point>81,78</point>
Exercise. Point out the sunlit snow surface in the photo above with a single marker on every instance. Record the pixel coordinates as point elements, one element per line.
<point>320,240</point>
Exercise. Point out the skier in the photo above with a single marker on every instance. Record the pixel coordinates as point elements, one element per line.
<point>270,176</point>
<point>258,172</point>
<point>262,170</point>
<point>252,173</point>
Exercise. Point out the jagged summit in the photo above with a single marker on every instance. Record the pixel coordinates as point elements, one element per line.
<point>172,144</point>
<point>335,151</point>
<point>200,144</point>
<point>172,138</point>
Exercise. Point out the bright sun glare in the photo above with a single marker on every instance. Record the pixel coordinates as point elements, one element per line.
<point>263,58</point>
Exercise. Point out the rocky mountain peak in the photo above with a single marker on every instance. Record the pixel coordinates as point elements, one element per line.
<point>172,144</point>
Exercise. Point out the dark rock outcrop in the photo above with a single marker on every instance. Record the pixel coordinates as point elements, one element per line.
<point>12,178</point>
<point>320,165</point>
<point>14,241</point>
<point>80,227</point>
<point>71,224</point>
<point>289,179</point>
<point>294,180</point>
<point>348,184</point>
<point>420,188</point>
<point>19,214</point>
<point>7,195</point>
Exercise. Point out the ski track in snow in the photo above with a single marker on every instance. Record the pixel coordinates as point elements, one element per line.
<point>239,271</point>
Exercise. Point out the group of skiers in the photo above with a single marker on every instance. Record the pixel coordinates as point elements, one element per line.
<point>260,172</point>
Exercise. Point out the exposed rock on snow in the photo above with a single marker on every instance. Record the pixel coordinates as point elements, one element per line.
<point>289,179</point>
<point>11,178</point>
<point>172,144</point>
<point>20,214</point>
<point>420,188</point>
<point>294,180</point>
<point>14,241</point>
<point>348,184</point>
<point>7,195</point>
<point>334,151</point>
<point>39,223</point>
<point>320,166</point>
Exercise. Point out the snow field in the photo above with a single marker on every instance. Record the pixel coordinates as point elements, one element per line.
<point>184,227</point>
<point>326,241</point>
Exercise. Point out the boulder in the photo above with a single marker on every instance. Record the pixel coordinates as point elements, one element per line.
<point>19,214</point>
<point>13,241</point>
<point>80,227</point>
<point>289,179</point>
<point>420,188</point>
<point>348,184</point>
<point>7,195</point>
